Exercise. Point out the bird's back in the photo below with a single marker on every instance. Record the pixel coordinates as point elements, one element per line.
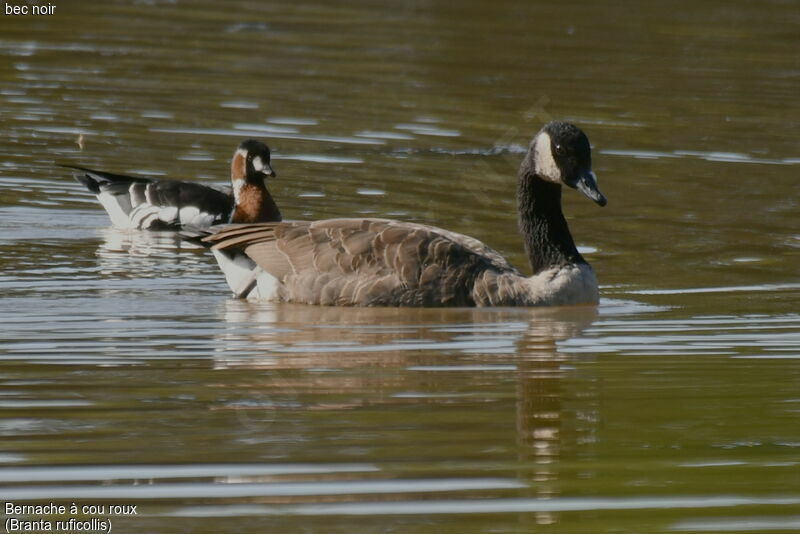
<point>135,202</point>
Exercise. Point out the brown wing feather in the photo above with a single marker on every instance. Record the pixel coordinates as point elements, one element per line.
<point>365,262</point>
<point>223,235</point>
<point>478,247</point>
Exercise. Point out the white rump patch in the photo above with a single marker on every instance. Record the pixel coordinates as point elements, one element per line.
<point>241,272</point>
<point>545,164</point>
<point>119,217</point>
<point>266,287</point>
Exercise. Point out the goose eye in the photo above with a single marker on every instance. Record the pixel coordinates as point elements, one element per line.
<point>559,150</point>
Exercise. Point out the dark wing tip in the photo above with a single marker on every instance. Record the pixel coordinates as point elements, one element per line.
<point>196,235</point>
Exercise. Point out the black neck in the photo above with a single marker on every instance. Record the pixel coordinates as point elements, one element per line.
<point>548,242</point>
<point>270,211</point>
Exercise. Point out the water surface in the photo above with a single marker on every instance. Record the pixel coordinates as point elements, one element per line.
<point>128,376</point>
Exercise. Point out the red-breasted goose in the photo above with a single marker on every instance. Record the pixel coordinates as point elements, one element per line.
<point>145,203</point>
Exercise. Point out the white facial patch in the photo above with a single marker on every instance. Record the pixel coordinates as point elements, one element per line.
<point>544,164</point>
<point>258,164</point>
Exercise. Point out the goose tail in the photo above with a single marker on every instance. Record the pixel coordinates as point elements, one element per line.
<point>244,277</point>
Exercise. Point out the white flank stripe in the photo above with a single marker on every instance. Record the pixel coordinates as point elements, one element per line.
<point>139,214</point>
<point>168,214</point>
<point>148,194</point>
<point>188,215</point>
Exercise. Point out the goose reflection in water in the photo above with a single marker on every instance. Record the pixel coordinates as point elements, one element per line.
<point>137,254</point>
<point>355,364</point>
<point>299,336</point>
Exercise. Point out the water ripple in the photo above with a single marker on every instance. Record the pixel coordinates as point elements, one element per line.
<point>488,506</point>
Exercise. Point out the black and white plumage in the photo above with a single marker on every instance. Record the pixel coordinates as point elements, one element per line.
<point>381,262</point>
<point>149,204</point>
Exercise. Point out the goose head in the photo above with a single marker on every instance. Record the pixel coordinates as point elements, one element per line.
<point>560,154</point>
<point>251,163</point>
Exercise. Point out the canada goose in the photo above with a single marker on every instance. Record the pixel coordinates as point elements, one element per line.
<point>144,203</point>
<point>380,262</point>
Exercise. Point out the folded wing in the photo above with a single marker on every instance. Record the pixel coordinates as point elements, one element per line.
<point>365,262</point>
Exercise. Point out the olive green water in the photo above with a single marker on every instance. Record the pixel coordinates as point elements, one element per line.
<point>129,377</point>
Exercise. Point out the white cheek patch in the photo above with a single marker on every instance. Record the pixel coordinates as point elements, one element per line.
<point>258,164</point>
<point>545,165</point>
